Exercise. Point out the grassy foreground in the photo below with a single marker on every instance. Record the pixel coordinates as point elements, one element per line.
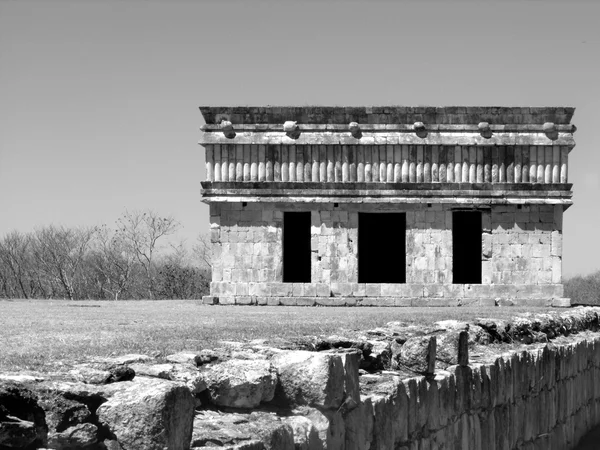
<point>42,335</point>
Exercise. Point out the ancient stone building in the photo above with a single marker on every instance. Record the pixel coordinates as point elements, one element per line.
<point>395,206</point>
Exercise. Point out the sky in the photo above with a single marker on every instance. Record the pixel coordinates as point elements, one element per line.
<point>99,99</point>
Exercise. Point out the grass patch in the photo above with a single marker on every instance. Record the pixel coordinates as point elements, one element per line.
<point>45,335</point>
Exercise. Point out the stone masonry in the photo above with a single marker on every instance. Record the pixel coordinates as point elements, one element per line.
<point>507,164</point>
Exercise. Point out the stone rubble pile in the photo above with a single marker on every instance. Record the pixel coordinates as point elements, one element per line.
<point>395,387</point>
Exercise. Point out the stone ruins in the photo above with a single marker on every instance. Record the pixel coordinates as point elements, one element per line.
<point>394,206</point>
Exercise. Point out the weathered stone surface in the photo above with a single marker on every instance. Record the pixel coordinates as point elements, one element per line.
<point>330,428</point>
<point>111,374</point>
<point>191,376</point>
<point>22,420</point>
<point>185,358</point>
<point>308,378</point>
<point>17,433</point>
<point>418,354</point>
<point>129,358</point>
<point>254,431</point>
<point>359,426</point>
<point>306,435</point>
<point>149,413</point>
<point>241,383</point>
<point>78,436</point>
<point>447,347</point>
<point>153,370</point>
<point>62,413</point>
<point>91,375</point>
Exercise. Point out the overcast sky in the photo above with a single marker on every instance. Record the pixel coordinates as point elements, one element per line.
<point>99,99</point>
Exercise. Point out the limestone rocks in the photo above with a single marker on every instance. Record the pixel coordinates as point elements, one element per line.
<point>22,420</point>
<point>308,378</point>
<point>78,436</point>
<point>241,383</point>
<point>253,431</point>
<point>149,413</point>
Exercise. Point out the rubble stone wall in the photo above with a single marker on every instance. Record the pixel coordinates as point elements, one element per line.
<point>546,398</point>
<point>521,257</point>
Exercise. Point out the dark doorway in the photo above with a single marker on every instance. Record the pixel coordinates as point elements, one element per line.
<point>466,247</point>
<point>296,247</point>
<point>382,248</point>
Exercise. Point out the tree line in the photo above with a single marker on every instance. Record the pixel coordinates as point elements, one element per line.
<point>128,261</point>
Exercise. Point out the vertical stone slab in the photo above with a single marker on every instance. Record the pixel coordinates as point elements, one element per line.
<point>292,162</point>
<point>540,164</point>
<point>323,163</point>
<point>443,160</point>
<point>383,163</point>
<point>397,163</point>
<point>239,163</point>
<point>389,159</point>
<point>412,169</point>
<point>548,157</point>
<point>457,164</point>
<point>501,164</point>
<point>510,164</point>
<point>487,164</point>
<point>435,164</point>
<point>209,163</point>
<point>464,177</point>
<point>556,164</point>
<point>231,158</point>
<point>268,163</point>
<point>518,163</point>
<point>495,165</point>
<point>368,155</point>
<point>246,162</point>
<point>345,164</point>
<point>480,170</point>
<point>360,164</point>
<point>338,163</point>
<point>463,348</point>
<point>525,164</point>
<point>312,155</point>
<point>472,164</point>
<point>374,163</point>
<point>262,172</point>
<point>352,163</point>
<point>449,150</point>
<point>277,162</point>
<point>427,155</point>
<point>564,164</point>
<point>224,162</point>
<point>420,162</point>
<point>300,162</point>
<point>405,163</point>
<point>285,163</point>
<point>330,164</point>
<point>532,164</point>
<point>254,163</point>
<point>217,164</point>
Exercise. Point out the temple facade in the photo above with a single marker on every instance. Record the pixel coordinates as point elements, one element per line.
<point>390,206</point>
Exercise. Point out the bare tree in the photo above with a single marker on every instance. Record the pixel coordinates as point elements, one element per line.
<point>15,256</point>
<point>202,251</point>
<point>141,230</point>
<point>114,260</point>
<point>60,253</point>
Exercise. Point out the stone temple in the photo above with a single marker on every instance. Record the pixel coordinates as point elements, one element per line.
<point>390,206</point>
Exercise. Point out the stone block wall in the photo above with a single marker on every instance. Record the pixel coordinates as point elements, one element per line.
<point>521,256</point>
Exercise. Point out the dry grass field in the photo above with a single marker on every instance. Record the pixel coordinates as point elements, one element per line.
<point>43,335</point>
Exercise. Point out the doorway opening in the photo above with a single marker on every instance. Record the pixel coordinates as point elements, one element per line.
<point>382,248</point>
<point>296,247</point>
<point>466,247</point>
